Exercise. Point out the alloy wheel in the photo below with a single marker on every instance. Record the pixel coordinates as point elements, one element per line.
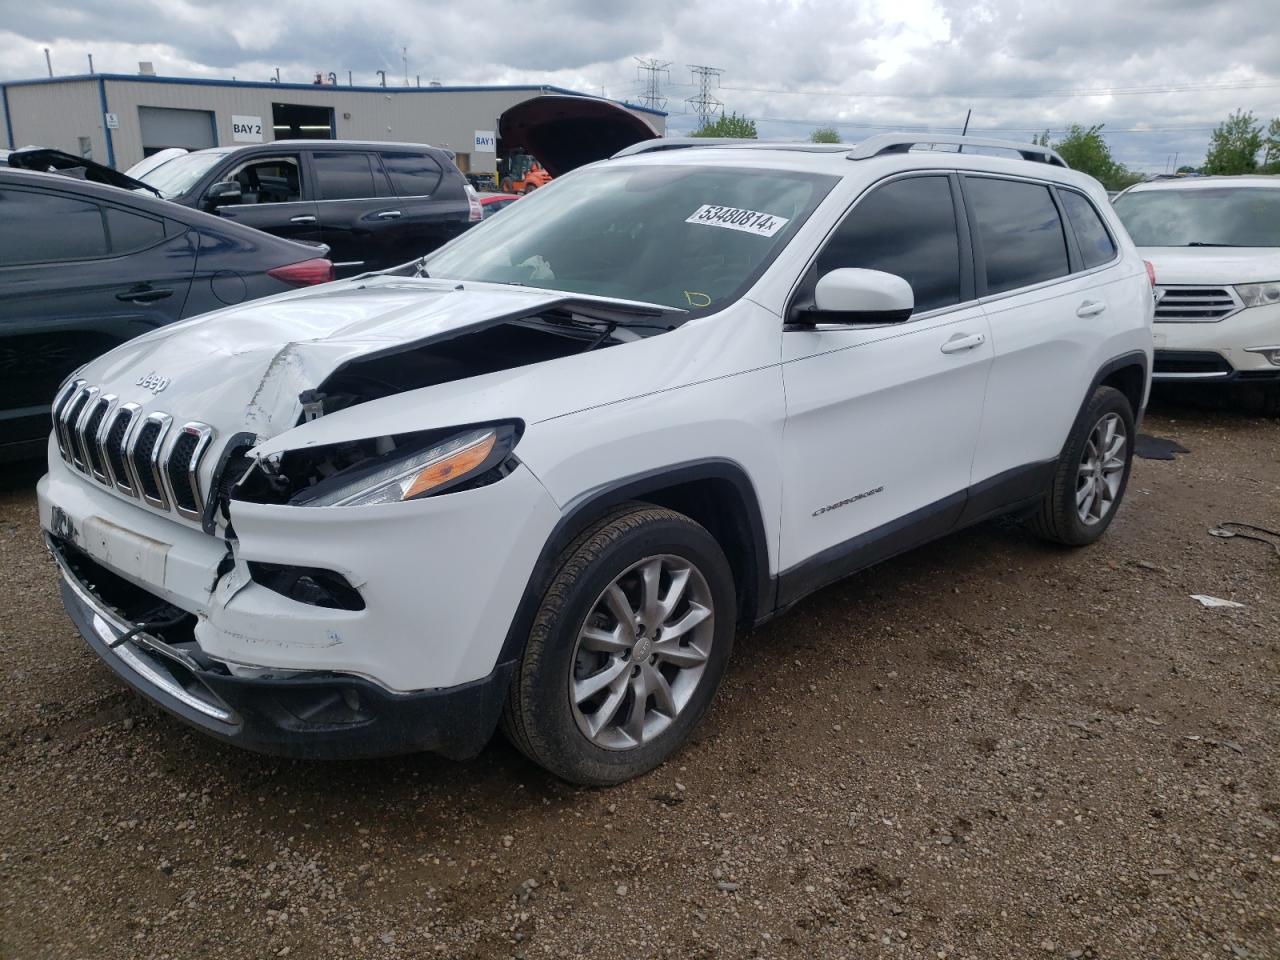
<point>1101,470</point>
<point>641,652</point>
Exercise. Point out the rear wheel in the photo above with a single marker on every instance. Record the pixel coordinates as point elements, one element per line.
<point>1092,474</point>
<point>627,649</point>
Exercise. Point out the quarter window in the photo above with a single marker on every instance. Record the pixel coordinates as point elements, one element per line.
<point>1096,245</point>
<point>47,228</point>
<point>907,228</point>
<point>412,174</point>
<point>1020,232</point>
<point>344,176</point>
<point>131,231</point>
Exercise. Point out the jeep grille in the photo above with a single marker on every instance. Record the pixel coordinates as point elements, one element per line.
<point>141,457</point>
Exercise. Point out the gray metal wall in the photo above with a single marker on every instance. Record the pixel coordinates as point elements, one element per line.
<point>55,114</point>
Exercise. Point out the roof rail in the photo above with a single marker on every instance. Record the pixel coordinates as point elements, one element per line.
<point>902,142</point>
<point>678,143</point>
<point>672,143</point>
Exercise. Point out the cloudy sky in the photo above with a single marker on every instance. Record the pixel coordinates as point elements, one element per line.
<point>1159,73</point>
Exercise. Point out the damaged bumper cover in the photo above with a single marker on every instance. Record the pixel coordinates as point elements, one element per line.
<point>307,716</point>
<point>417,668</point>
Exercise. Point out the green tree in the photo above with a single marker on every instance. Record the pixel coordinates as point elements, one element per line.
<point>1271,148</point>
<point>1234,146</point>
<point>824,135</point>
<point>732,126</point>
<point>1085,150</point>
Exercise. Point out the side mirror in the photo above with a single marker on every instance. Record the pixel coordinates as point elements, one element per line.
<point>854,295</point>
<point>223,194</point>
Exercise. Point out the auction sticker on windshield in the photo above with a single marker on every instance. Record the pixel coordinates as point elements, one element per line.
<point>733,218</point>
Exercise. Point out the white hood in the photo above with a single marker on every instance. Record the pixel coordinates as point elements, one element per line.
<point>1216,266</point>
<point>242,369</point>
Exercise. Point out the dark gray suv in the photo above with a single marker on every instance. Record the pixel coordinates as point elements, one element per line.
<point>375,205</point>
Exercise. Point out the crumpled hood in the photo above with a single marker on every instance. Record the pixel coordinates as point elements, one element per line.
<point>1217,266</point>
<point>241,369</point>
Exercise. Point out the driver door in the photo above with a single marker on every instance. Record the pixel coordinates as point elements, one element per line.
<point>882,420</point>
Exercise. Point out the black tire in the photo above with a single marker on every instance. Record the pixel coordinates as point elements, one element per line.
<point>1058,519</point>
<point>538,717</point>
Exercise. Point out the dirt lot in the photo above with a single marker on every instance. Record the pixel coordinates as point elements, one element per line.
<point>985,749</point>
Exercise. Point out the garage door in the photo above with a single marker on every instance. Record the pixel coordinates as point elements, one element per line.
<point>163,127</point>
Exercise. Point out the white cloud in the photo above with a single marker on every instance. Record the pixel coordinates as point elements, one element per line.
<point>790,64</point>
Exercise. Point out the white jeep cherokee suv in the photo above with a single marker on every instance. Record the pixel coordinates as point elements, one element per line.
<point>541,475</point>
<point>1215,245</point>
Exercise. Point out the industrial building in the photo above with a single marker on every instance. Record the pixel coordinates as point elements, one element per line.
<point>118,119</point>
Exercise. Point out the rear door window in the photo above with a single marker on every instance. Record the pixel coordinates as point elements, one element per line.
<point>412,174</point>
<point>907,228</point>
<point>1096,245</point>
<point>1019,231</point>
<point>48,228</point>
<point>344,176</point>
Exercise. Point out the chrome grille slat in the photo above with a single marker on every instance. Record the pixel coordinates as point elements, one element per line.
<point>1196,304</point>
<point>145,457</point>
<point>96,417</point>
<point>115,442</point>
<point>79,449</point>
<point>60,402</point>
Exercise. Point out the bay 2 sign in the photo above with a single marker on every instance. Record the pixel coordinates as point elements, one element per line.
<point>486,142</point>
<point>246,129</point>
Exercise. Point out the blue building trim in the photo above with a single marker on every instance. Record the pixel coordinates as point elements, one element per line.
<point>8,117</point>
<point>205,82</point>
<point>111,149</point>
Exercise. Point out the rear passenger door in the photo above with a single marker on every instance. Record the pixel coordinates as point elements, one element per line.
<point>1044,306</point>
<point>431,202</point>
<point>358,215</point>
<point>77,277</point>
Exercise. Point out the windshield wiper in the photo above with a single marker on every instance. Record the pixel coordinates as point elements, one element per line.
<point>1202,243</point>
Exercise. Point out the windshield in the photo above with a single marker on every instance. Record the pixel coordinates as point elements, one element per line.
<point>691,237</point>
<point>1209,216</point>
<point>180,174</point>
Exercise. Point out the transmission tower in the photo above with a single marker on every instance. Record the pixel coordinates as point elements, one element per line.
<point>651,71</point>
<point>704,104</point>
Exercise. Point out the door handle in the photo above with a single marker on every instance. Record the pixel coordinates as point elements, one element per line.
<point>303,218</point>
<point>389,215</point>
<point>964,341</point>
<point>1090,308</point>
<point>143,295</point>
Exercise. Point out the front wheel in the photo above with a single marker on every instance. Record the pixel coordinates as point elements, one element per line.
<point>1092,474</point>
<point>627,649</point>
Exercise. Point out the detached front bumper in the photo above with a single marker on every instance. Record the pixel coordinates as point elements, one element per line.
<point>313,716</point>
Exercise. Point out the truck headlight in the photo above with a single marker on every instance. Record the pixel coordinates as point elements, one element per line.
<point>1259,294</point>
<point>409,473</point>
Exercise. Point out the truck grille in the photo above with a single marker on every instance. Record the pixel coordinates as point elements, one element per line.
<point>142,457</point>
<point>1195,304</point>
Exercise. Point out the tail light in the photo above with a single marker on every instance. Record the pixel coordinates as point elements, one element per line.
<point>475,211</point>
<point>304,274</point>
<point>1151,272</point>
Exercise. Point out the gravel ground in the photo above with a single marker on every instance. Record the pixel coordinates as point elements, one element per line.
<point>988,748</point>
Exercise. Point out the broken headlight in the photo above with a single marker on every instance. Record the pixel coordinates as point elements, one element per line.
<point>407,475</point>
<point>384,470</point>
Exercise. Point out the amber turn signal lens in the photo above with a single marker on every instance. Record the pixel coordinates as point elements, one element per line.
<point>457,464</point>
